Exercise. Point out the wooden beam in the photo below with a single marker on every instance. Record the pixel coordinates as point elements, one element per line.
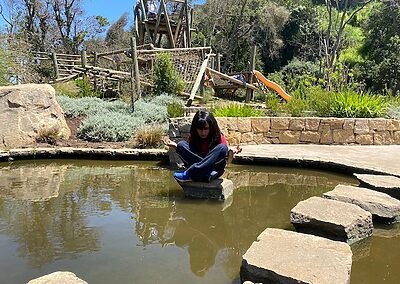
<point>198,81</point>
<point>170,35</point>
<point>145,20</point>
<point>157,50</point>
<point>157,24</point>
<point>65,78</point>
<point>178,25</point>
<point>118,51</point>
<point>231,79</point>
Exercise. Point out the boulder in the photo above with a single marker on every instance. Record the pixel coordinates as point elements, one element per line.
<point>332,219</point>
<point>59,277</point>
<point>383,183</point>
<point>380,205</point>
<point>219,189</point>
<point>29,112</point>
<point>280,256</point>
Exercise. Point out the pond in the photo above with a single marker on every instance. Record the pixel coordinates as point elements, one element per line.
<point>128,222</point>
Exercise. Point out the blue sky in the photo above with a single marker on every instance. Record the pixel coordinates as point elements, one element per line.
<point>112,10</point>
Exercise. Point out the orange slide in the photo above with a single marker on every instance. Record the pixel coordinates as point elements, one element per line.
<point>272,85</point>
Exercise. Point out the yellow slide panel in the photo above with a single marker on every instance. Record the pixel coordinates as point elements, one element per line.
<point>272,85</point>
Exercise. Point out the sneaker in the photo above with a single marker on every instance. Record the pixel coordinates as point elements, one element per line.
<point>182,176</point>
<point>213,176</point>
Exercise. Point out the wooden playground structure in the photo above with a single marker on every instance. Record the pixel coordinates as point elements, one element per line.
<point>173,19</point>
<point>197,66</point>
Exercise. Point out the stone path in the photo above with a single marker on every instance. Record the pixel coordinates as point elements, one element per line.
<point>383,183</point>
<point>357,159</point>
<point>280,256</point>
<point>379,204</point>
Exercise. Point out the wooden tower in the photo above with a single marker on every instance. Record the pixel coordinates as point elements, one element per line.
<point>156,18</point>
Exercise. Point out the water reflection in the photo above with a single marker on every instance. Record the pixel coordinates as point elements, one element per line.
<point>62,210</point>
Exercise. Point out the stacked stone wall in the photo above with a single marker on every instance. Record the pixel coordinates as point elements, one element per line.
<point>300,130</point>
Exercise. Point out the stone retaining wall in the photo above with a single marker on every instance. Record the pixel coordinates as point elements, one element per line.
<point>300,130</point>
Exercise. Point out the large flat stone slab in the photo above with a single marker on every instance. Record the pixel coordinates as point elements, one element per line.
<point>59,277</point>
<point>379,204</point>
<point>383,183</point>
<point>219,189</point>
<point>332,219</point>
<point>280,256</point>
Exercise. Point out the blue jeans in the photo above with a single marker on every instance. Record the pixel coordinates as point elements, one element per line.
<point>199,168</point>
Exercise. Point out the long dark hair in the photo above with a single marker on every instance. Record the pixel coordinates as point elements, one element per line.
<point>200,121</point>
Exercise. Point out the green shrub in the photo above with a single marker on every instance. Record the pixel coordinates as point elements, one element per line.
<point>85,88</point>
<point>236,110</point>
<point>68,89</point>
<point>352,104</point>
<point>273,103</point>
<point>109,126</point>
<point>297,106</point>
<point>319,101</point>
<point>175,110</point>
<point>166,78</point>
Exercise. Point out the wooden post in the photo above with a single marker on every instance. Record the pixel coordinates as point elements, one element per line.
<point>94,76</point>
<point>55,65</point>
<point>250,92</point>
<point>188,39</point>
<point>135,72</point>
<point>83,58</point>
<point>190,26</point>
<point>219,62</point>
<point>212,62</point>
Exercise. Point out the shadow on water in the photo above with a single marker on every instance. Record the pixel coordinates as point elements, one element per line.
<point>110,221</point>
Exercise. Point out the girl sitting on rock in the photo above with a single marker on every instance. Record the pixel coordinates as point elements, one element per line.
<point>205,153</point>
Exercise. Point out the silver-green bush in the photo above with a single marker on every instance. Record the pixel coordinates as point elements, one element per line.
<point>109,126</point>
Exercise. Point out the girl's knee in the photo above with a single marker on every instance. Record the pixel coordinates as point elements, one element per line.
<point>181,146</point>
<point>223,148</point>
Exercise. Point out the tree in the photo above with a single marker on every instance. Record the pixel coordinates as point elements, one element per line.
<point>382,48</point>
<point>116,35</point>
<point>339,14</point>
<point>232,27</point>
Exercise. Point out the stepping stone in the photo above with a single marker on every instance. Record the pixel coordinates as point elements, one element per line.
<point>383,183</point>
<point>59,277</point>
<point>380,205</point>
<point>219,189</point>
<point>332,219</point>
<point>279,256</point>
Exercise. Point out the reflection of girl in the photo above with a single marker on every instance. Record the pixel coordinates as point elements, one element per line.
<point>205,152</point>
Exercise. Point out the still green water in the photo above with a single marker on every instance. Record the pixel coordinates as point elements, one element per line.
<point>128,222</point>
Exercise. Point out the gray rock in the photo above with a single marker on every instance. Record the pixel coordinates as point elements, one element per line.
<point>280,256</point>
<point>379,204</point>
<point>28,112</point>
<point>332,219</point>
<point>59,277</point>
<point>220,189</point>
<point>383,183</point>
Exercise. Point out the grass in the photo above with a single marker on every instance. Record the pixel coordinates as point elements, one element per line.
<point>236,110</point>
